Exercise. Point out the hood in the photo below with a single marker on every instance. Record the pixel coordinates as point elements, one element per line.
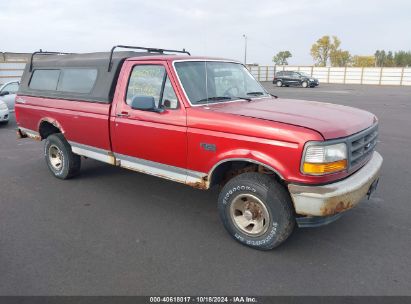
<point>330,120</point>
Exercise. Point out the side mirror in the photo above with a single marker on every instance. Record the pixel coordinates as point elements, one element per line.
<point>145,103</point>
<point>4,93</point>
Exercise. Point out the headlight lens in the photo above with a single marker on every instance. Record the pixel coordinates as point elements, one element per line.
<point>3,106</point>
<point>321,160</point>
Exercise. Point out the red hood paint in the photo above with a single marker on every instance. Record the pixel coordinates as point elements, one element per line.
<point>331,120</point>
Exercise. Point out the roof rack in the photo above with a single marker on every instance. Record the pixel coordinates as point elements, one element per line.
<point>150,50</point>
<point>43,53</point>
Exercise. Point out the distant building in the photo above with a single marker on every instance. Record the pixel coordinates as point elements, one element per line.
<point>7,57</point>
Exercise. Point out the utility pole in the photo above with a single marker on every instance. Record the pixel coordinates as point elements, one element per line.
<point>245,48</point>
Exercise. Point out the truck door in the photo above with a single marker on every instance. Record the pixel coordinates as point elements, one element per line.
<point>151,142</point>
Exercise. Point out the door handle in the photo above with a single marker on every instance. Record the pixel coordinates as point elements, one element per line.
<point>123,114</point>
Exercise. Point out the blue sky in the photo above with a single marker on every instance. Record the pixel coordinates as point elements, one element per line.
<point>212,28</point>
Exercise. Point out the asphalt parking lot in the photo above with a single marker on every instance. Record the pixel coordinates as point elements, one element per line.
<point>116,232</point>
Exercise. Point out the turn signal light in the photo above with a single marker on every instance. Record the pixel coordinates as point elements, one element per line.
<point>325,168</point>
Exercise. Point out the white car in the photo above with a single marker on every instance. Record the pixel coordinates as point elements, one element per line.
<point>4,113</point>
<point>8,93</point>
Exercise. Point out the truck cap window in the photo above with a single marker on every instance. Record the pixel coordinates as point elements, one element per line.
<point>64,80</point>
<point>77,80</point>
<point>45,80</point>
<point>216,81</point>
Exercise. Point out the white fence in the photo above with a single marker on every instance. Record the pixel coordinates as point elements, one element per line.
<point>11,71</point>
<point>344,75</point>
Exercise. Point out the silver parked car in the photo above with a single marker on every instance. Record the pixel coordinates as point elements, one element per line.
<point>4,113</point>
<point>8,93</point>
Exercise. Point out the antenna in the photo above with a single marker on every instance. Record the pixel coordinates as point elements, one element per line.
<point>206,79</point>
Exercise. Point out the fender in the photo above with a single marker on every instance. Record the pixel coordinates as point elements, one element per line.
<point>52,121</point>
<point>255,157</point>
<point>36,134</point>
<point>210,173</point>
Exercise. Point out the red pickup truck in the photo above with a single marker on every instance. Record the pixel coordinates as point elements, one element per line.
<point>203,122</point>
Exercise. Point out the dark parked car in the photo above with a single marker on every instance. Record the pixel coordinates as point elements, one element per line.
<point>291,78</point>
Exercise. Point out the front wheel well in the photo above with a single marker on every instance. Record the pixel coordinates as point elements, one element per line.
<point>227,170</point>
<point>46,129</point>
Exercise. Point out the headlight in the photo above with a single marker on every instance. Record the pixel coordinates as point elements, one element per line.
<point>3,106</point>
<point>321,159</point>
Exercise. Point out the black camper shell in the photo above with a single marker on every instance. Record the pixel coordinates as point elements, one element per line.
<point>104,68</point>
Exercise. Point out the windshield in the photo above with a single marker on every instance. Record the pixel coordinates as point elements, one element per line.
<point>304,74</point>
<point>225,81</point>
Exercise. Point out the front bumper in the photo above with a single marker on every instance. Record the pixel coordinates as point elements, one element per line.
<point>331,199</point>
<point>4,115</point>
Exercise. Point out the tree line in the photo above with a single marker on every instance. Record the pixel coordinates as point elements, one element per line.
<point>327,51</point>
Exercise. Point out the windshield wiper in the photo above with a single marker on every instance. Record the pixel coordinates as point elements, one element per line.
<point>256,93</point>
<point>245,98</point>
<point>261,93</point>
<point>215,98</point>
<point>219,98</point>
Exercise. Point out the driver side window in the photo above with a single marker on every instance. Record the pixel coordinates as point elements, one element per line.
<point>152,80</point>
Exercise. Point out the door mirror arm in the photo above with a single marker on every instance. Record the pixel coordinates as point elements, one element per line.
<point>155,109</point>
<point>158,110</point>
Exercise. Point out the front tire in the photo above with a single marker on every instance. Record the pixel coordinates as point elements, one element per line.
<point>279,83</point>
<point>61,161</point>
<point>304,84</point>
<point>256,211</point>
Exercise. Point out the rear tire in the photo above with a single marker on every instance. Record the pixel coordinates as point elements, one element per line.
<point>256,211</point>
<point>279,83</point>
<point>61,161</point>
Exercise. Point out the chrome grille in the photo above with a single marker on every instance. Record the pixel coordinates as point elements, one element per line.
<point>361,145</point>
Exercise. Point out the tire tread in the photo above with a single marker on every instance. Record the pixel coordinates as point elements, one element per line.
<point>275,189</point>
<point>74,160</point>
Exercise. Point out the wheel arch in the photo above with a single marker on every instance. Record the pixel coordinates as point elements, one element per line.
<point>48,126</point>
<point>218,172</point>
